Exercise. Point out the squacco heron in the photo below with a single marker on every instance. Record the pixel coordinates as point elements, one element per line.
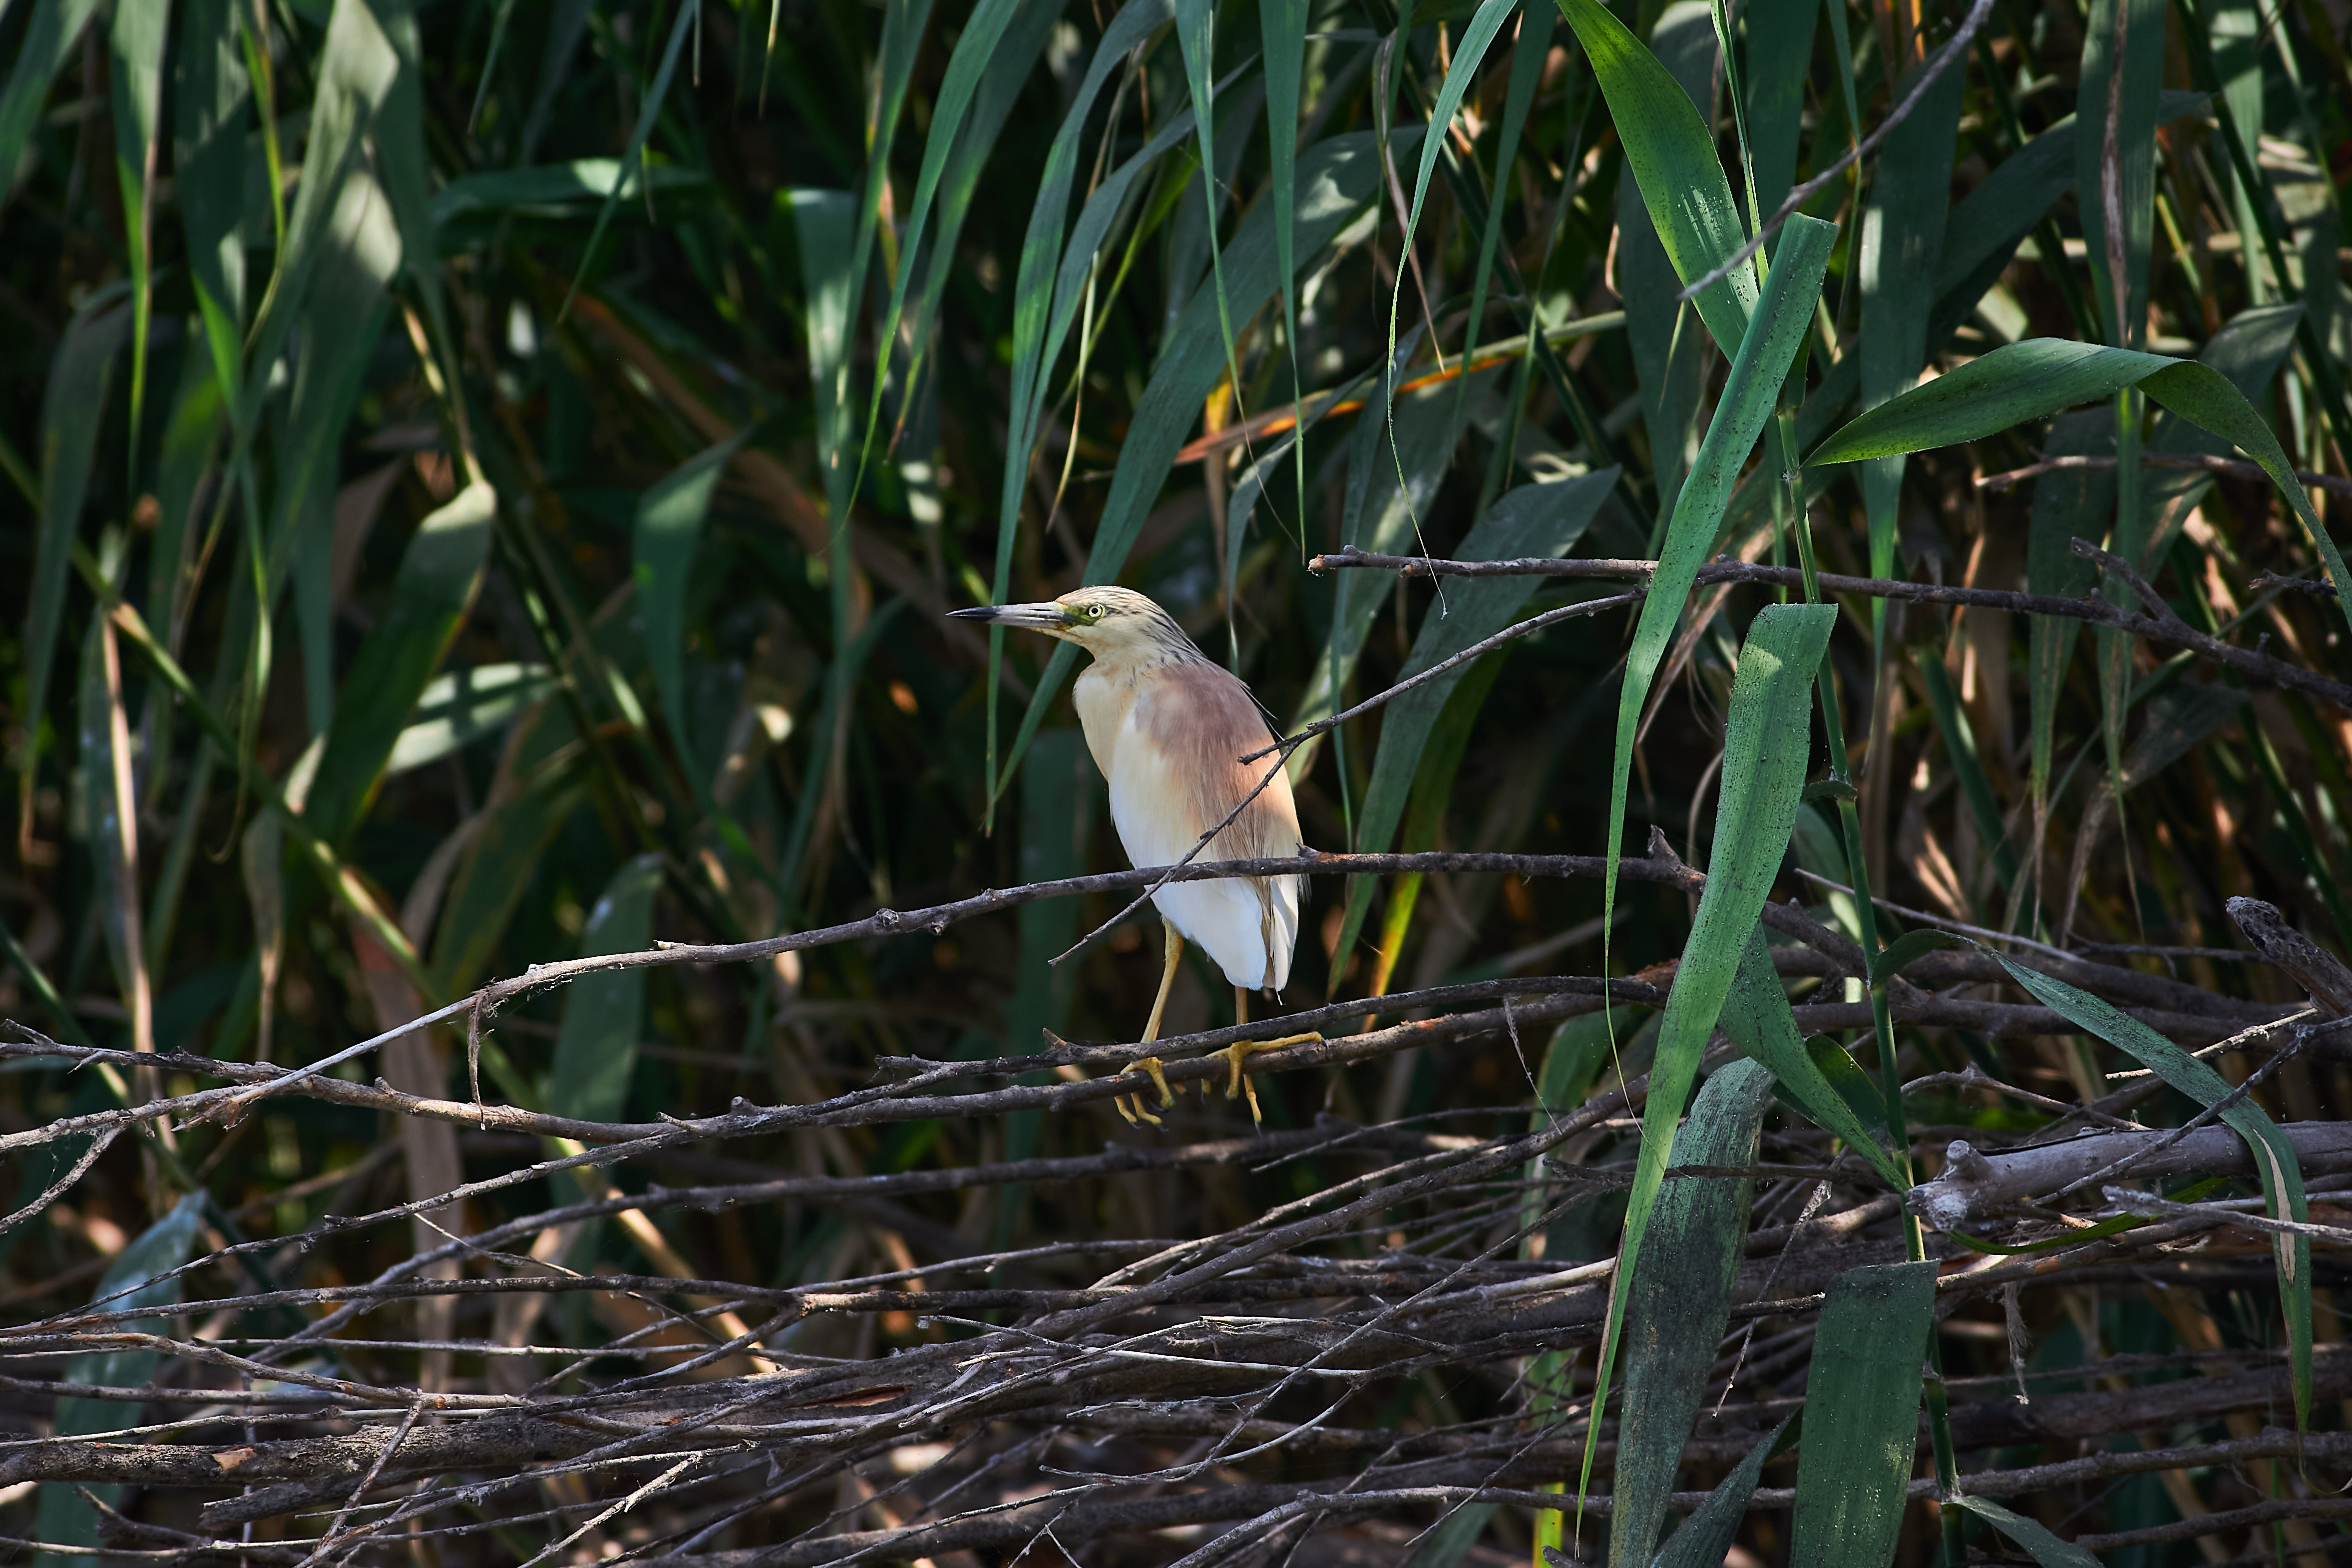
<point>1169,727</point>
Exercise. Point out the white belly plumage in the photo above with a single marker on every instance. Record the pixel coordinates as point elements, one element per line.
<point>1249,928</point>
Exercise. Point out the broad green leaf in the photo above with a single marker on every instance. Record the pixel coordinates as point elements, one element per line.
<point>1242,505</point>
<point>71,409</point>
<point>1103,208</point>
<point>552,190</point>
<point>604,1014</point>
<point>1196,31</point>
<point>669,526</point>
<point>2040,1542</point>
<point>130,1286</point>
<point>338,195</point>
<point>1541,520</point>
<point>1705,1539</point>
<point>2028,380</point>
<point>903,24</point>
<point>1671,155</point>
<point>1756,1015</point>
<point>1862,1415</point>
<point>1866,1100</point>
<point>2236,28</point>
<point>1336,178</point>
<point>831,237</point>
<point>1573,1061</point>
<point>1783,315</point>
<point>1680,1301</point>
<point>1766,737</point>
<point>396,143</point>
<point>1822,850</point>
<point>1431,792</point>
<point>212,103</point>
<point>2274,1156</point>
<point>465,705</point>
<point>1000,89</point>
<point>45,44</point>
<point>440,575</point>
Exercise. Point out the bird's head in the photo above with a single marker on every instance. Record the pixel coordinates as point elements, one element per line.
<point>1106,622</point>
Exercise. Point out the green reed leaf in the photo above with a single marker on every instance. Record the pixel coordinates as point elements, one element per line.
<point>1766,737</point>
<point>1861,1414</point>
<point>1680,1301</point>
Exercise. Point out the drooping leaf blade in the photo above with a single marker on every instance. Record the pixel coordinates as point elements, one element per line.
<point>1680,1301</point>
<point>1861,1414</point>
<point>1756,1015</point>
<point>2040,376</point>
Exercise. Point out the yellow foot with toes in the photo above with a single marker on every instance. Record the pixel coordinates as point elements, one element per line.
<point>1150,1065</point>
<point>1238,1084</point>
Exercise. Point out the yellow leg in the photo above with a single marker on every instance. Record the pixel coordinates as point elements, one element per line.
<point>1175,949</point>
<point>1136,1117</point>
<point>1237,1083</point>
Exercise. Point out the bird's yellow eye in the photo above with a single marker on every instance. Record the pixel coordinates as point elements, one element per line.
<point>1091,613</point>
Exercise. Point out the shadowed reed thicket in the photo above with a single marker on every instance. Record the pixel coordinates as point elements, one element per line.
<point>562,1011</point>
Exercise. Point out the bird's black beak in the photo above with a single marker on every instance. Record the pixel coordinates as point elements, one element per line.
<point>1044,617</point>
